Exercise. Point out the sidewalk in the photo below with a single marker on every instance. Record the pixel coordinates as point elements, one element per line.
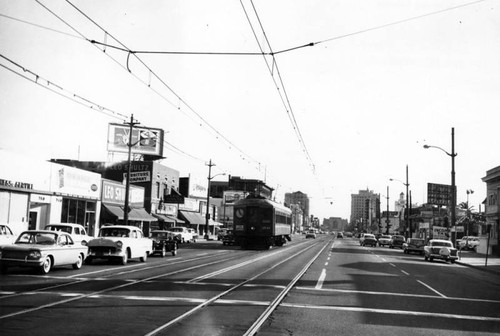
<point>478,261</point>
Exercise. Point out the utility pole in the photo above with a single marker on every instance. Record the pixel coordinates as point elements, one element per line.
<point>387,221</point>
<point>207,215</point>
<point>407,206</point>
<point>127,179</point>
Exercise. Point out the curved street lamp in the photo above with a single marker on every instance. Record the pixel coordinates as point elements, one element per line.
<point>453,187</point>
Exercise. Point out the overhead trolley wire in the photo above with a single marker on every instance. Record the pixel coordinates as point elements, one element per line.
<point>219,134</point>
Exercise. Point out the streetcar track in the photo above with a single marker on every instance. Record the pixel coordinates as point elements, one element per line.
<point>217,297</point>
<point>127,284</point>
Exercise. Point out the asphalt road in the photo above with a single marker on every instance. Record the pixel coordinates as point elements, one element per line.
<point>208,289</point>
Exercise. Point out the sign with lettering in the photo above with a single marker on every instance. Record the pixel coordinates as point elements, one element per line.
<point>140,176</point>
<point>114,193</point>
<point>439,232</point>
<point>145,140</point>
<point>439,194</point>
<point>15,184</point>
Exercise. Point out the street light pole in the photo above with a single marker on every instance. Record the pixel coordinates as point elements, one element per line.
<point>387,213</point>
<point>453,187</point>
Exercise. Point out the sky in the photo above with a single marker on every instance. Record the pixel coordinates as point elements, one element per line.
<point>323,97</point>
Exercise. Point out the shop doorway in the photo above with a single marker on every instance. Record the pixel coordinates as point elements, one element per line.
<point>33,220</point>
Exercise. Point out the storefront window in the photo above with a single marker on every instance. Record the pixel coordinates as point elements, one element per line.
<point>77,211</point>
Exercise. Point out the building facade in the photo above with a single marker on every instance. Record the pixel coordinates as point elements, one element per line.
<point>492,209</point>
<point>364,209</point>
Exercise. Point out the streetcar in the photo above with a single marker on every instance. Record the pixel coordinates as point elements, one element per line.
<point>258,221</point>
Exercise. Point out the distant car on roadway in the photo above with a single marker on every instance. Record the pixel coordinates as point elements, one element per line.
<point>397,241</point>
<point>440,249</point>
<point>369,239</point>
<point>43,250</point>
<point>384,240</point>
<point>414,245</point>
<point>77,231</point>
<point>121,242</point>
<point>228,238</point>
<point>340,235</point>
<point>311,234</point>
<point>6,235</point>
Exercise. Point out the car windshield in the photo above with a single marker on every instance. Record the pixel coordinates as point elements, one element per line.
<point>38,238</point>
<point>156,234</point>
<point>114,232</point>
<point>448,244</point>
<point>177,229</point>
<point>386,237</point>
<point>62,228</point>
<point>416,241</point>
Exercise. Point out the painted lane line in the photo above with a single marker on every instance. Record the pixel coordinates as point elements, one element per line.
<point>406,273</point>
<point>322,277</point>
<point>395,312</point>
<point>326,264</point>
<point>432,289</point>
<point>392,264</point>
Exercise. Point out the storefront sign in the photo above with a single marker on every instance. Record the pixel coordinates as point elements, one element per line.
<point>15,184</point>
<point>145,140</point>
<point>439,194</point>
<point>439,232</point>
<point>36,198</point>
<point>114,193</point>
<point>142,176</point>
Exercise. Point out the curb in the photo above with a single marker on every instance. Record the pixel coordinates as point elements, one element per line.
<point>481,268</point>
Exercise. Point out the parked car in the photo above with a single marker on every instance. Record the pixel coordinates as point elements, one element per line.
<point>311,234</point>
<point>340,235</point>
<point>440,249</point>
<point>121,242</point>
<point>6,235</point>
<point>414,245</point>
<point>43,250</point>
<point>397,241</point>
<point>228,238</point>
<point>77,231</point>
<point>369,239</point>
<point>468,243</point>
<point>186,235</point>
<point>164,241</point>
<point>384,240</point>
<point>361,238</point>
<point>221,233</point>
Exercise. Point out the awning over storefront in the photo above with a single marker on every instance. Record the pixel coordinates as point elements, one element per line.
<point>135,214</point>
<point>193,218</point>
<point>214,223</point>
<point>168,219</point>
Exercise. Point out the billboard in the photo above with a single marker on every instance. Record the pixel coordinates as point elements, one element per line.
<point>439,194</point>
<point>145,140</point>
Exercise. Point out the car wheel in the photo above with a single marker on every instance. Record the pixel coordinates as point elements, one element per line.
<point>78,263</point>
<point>431,259</point>
<point>46,266</point>
<point>144,257</point>
<point>452,261</point>
<point>174,253</point>
<point>124,259</point>
<point>426,258</point>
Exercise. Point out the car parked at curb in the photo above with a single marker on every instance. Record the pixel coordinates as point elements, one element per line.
<point>6,235</point>
<point>42,249</point>
<point>186,235</point>
<point>369,239</point>
<point>384,240</point>
<point>397,241</point>
<point>415,245</point>
<point>164,242</point>
<point>77,231</point>
<point>120,242</point>
<point>468,243</point>
<point>440,249</point>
